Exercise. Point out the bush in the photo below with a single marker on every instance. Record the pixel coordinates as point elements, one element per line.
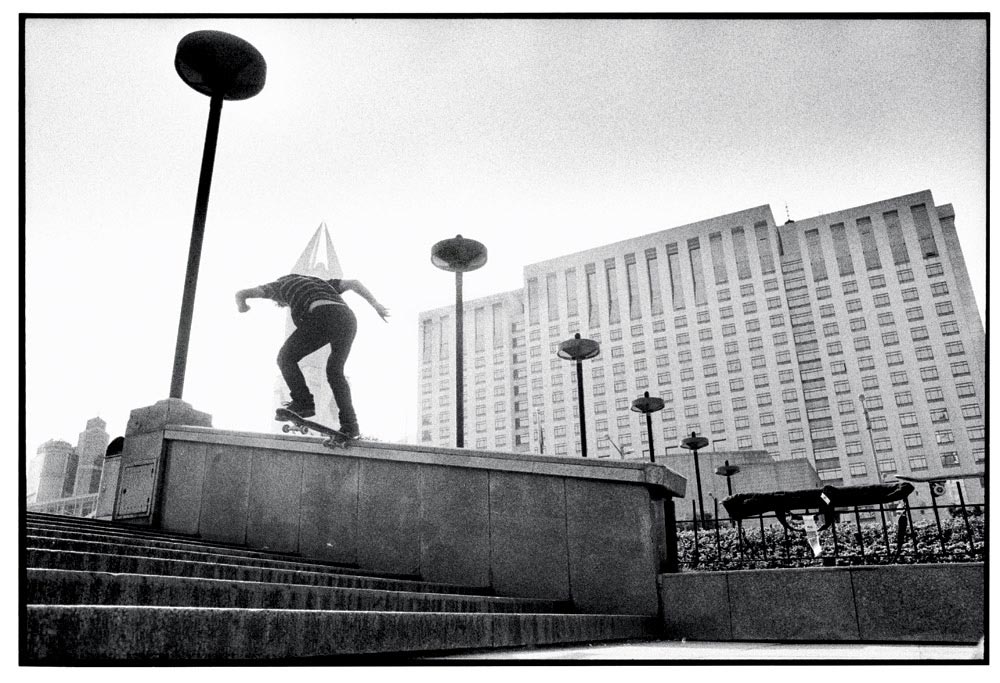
<point>721,549</point>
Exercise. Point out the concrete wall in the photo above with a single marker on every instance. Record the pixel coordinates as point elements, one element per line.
<point>894,603</point>
<point>528,526</point>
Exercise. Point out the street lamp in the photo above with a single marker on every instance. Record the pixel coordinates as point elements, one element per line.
<point>648,405</point>
<point>727,471</point>
<point>871,439</point>
<point>458,255</point>
<point>693,443</point>
<point>224,67</point>
<point>579,350</point>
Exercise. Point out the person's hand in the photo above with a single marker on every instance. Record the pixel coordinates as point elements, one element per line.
<point>382,311</point>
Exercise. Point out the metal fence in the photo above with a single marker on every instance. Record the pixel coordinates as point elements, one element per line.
<point>884,534</point>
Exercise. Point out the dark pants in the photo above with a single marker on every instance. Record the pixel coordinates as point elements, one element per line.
<point>333,325</point>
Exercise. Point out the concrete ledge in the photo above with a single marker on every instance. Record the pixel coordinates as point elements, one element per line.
<point>895,603</point>
<point>654,475</point>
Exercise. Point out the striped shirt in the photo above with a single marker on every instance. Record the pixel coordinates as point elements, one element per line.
<point>300,291</point>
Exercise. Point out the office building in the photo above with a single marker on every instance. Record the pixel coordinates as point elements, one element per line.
<point>757,336</point>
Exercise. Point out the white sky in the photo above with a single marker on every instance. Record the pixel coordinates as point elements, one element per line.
<point>537,138</point>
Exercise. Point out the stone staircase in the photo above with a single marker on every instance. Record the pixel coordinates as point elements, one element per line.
<point>100,591</point>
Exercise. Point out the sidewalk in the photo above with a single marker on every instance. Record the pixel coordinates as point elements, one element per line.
<point>677,651</point>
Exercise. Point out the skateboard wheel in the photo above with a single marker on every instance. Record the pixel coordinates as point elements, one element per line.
<point>286,428</point>
<point>304,430</point>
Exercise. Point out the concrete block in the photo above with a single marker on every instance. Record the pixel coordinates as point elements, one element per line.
<point>275,490</point>
<point>696,606</point>
<point>226,494</point>
<point>612,556</point>
<point>389,516</point>
<point>454,525</point>
<point>184,479</point>
<point>171,411</point>
<point>815,603</point>
<point>328,508</point>
<point>528,541</point>
<point>935,602</point>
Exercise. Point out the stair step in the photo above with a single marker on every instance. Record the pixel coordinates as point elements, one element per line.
<point>65,634</point>
<point>66,587</point>
<point>95,544</point>
<point>140,537</point>
<point>137,564</point>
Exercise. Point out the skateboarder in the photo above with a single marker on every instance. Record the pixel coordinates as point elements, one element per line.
<point>321,316</point>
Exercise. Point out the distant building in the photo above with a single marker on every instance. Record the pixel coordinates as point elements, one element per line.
<point>90,453</point>
<point>761,335</point>
<point>65,480</point>
<point>52,472</point>
<point>319,259</point>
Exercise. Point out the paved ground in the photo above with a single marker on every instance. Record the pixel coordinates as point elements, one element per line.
<point>722,652</point>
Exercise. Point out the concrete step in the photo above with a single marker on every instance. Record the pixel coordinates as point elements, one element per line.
<point>137,564</point>
<point>138,537</point>
<point>95,544</point>
<point>64,587</point>
<point>61,634</point>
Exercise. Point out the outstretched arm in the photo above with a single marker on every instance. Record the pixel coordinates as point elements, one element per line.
<point>355,286</point>
<point>244,294</point>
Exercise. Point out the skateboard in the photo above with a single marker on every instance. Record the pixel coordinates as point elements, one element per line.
<point>335,438</point>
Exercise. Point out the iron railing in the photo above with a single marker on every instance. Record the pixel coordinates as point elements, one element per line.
<point>893,533</point>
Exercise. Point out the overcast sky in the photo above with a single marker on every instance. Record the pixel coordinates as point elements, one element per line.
<point>537,138</point>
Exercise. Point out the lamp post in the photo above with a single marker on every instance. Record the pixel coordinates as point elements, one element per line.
<point>871,439</point>
<point>728,471</point>
<point>458,255</point>
<point>648,405</point>
<point>224,67</point>
<point>579,350</point>
<point>693,443</point>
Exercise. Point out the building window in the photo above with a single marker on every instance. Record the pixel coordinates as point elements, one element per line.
<point>965,389</point>
<point>862,343</point>
<point>904,398</point>
<point>977,433</point>
<point>894,358</point>
<point>949,328</point>
<point>960,368</point>
<point>890,339</point>
<point>944,308</point>
<point>917,463</point>
<point>913,441</point>
<point>933,394</point>
<point>944,436</point>
<point>971,411</point>
<point>919,333</point>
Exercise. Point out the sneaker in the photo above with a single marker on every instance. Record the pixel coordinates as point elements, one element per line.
<point>350,432</point>
<point>300,409</point>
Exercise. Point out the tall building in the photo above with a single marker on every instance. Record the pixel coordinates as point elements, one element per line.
<point>52,472</point>
<point>90,448</point>
<point>755,335</point>
<point>319,260</point>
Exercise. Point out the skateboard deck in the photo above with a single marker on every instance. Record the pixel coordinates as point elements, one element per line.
<point>335,437</point>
